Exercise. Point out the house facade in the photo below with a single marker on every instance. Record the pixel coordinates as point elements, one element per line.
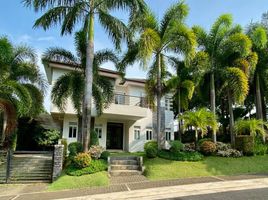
<point>127,124</point>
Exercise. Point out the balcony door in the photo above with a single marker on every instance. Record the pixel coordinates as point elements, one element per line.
<point>114,136</point>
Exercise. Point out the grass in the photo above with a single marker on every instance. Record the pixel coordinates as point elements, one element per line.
<point>76,182</point>
<point>160,169</point>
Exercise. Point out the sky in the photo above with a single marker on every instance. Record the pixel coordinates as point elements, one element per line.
<point>16,22</point>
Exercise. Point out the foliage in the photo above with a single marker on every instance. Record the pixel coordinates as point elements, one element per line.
<point>95,151</point>
<point>94,138</point>
<point>251,127</point>
<point>151,149</point>
<point>207,147</point>
<point>220,146</point>
<point>75,148</point>
<point>189,147</point>
<point>229,153</point>
<point>203,140</point>
<point>105,155</point>
<point>259,147</point>
<point>245,143</point>
<point>82,160</point>
<point>180,155</point>
<point>176,146</point>
<point>94,167</point>
<point>48,138</point>
<point>65,149</point>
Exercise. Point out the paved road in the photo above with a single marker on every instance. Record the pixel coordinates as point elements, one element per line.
<point>257,194</point>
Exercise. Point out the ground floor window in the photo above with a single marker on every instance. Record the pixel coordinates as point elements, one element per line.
<point>168,135</point>
<point>72,129</point>
<point>98,130</point>
<point>137,132</point>
<point>149,134</point>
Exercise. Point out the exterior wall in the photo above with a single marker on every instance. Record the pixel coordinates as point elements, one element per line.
<point>65,132</point>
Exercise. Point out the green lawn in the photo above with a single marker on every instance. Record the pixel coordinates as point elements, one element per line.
<point>157,169</point>
<point>75,182</point>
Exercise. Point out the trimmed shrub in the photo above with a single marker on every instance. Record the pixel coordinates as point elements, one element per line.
<point>229,153</point>
<point>94,167</point>
<point>189,147</point>
<point>220,146</point>
<point>207,147</point>
<point>105,155</point>
<point>94,138</point>
<point>204,140</point>
<point>75,148</point>
<point>259,147</point>
<point>151,149</point>
<point>82,160</point>
<point>180,156</point>
<point>176,146</point>
<point>245,143</point>
<point>95,151</point>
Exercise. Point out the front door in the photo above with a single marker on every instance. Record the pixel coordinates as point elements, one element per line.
<point>114,136</point>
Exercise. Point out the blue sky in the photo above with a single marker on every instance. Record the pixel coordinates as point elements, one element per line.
<point>16,22</point>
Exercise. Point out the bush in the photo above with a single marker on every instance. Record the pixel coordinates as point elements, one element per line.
<point>48,138</point>
<point>105,155</point>
<point>230,153</point>
<point>65,146</point>
<point>95,151</point>
<point>94,138</point>
<point>220,146</point>
<point>176,146</point>
<point>151,149</point>
<point>259,147</point>
<point>82,160</point>
<point>207,147</point>
<point>75,148</point>
<point>94,167</point>
<point>199,143</point>
<point>189,147</point>
<point>180,156</point>
<point>245,143</point>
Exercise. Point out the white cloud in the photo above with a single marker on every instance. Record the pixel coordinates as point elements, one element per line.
<point>48,38</point>
<point>24,38</point>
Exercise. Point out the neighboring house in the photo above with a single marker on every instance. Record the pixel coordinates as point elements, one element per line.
<point>128,122</point>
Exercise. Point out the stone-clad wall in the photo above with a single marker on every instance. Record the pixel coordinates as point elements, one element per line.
<point>57,161</point>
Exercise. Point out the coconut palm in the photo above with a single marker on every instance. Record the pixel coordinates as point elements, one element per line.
<point>156,40</point>
<point>71,13</point>
<point>212,44</point>
<point>71,85</point>
<point>250,127</point>
<point>22,86</point>
<point>200,119</point>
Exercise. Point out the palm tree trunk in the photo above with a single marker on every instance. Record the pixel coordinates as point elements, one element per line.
<point>158,108</point>
<point>259,114</point>
<point>196,138</point>
<point>231,118</point>
<point>86,115</point>
<point>179,114</point>
<point>213,101</point>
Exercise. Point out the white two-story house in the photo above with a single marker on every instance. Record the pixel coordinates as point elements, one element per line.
<point>127,124</point>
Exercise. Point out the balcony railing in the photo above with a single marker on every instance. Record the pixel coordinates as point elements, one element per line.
<point>129,100</point>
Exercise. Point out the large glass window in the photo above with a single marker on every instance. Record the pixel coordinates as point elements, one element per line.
<point>73,129</point>
<point>137,132</point>
<point>149,134</point>
<point>168,135</point>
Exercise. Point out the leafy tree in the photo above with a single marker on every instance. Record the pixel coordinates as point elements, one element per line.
<point>69,14</point>
<point>156,40</point>
<point>200,120</point>
<point>250,127</point>
<point>22,86</point>
<point>48,138</point>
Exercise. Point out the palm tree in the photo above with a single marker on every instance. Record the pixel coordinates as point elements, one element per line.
<point>71,13</point>
<point>157,39</point>
<point>200,120</point>
<point>211,43</point>
<point>250,127</point>
<point>22,87</point>
<point>72,84</point>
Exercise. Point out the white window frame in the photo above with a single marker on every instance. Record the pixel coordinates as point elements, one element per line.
<point>168,103</point>
<point>168,135</point>
<point>73,130</point>
<point>149,134</point>
<point>99,130</point>
<point>137,132</point>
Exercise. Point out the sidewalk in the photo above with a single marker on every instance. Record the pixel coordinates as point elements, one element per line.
<point>149,189</point>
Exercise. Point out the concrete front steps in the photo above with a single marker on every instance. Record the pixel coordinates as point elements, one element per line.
<point>125,166</point>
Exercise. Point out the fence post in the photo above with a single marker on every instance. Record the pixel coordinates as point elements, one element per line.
<point>57,161</point>
<point>9,156</point>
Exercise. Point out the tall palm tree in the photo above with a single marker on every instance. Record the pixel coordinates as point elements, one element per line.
<point>22,86</point>
<point>156,40</point>
<point>69,14</point>
<point>211,43</point>
<point>72,84</point>
<point>200,119</point>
